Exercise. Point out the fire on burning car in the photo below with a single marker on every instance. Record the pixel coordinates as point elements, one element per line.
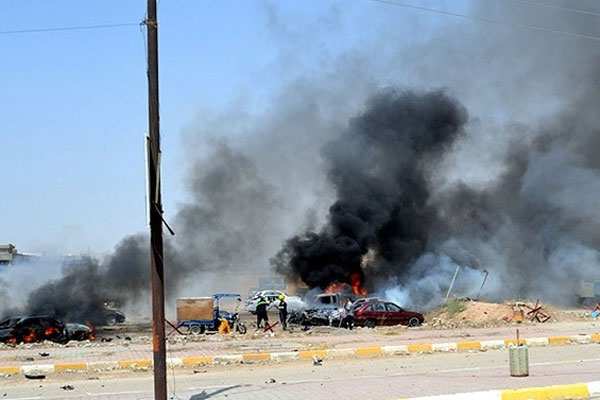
<point>30,329</point>
<point>344,305</point>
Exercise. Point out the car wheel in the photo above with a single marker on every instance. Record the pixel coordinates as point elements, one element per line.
<point>370,323</point>
<point>414,321</point>
<point>110,320</point>
<point>196,329</point>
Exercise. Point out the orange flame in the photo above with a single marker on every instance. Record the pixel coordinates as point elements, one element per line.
<point>92,335</point>
<point>356,283</point>
<point>51,331</point>
<point>30,337</point>
<point>12,340</point>
<point>335,288</point>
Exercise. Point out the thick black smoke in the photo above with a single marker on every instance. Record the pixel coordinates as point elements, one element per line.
<point>532,226</point>
<point>378,168</point>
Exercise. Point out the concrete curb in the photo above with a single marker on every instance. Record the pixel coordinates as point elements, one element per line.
<point>305,354</point>
<point>573,391</point>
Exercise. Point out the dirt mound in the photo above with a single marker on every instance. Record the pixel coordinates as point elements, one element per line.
<point>459,313</point>
<point>466,313</point>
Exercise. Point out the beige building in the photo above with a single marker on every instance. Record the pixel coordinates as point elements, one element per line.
<point>8,252</point>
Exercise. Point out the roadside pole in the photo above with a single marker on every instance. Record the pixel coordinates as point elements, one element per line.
<point>155,208</point>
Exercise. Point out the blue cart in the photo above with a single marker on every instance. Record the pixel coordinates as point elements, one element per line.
<point>198,327</point>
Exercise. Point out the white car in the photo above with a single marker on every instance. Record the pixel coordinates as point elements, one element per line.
<point>295,303</point>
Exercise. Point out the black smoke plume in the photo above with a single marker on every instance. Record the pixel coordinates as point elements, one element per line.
<point>403,231</point>
<point>378,167</point>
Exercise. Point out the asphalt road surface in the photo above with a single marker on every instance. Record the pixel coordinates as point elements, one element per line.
<point>374,378</point>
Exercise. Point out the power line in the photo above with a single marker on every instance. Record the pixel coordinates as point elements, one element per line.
<point>573,10</point>
<point>490,20</point>
<point>69,28</point>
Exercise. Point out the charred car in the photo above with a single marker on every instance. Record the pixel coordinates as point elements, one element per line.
<point>313,317</point>
<point>29,329</point>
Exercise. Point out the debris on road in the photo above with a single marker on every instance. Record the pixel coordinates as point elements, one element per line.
<point>44,354</point>
<point>317,360</point>
<point>67,387</point>
<point>34,375</point>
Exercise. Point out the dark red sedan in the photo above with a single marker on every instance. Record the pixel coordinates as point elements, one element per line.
<point>378,312</point>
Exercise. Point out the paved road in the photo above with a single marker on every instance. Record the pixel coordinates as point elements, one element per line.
<point>140,347</point>
<point>380,378</point>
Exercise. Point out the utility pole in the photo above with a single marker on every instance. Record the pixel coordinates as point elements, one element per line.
<point>155,207</point>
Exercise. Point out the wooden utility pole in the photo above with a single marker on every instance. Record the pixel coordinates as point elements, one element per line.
<point>155,207</point>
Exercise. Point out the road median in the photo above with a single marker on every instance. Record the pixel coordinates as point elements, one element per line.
<point>556,392</point>
<point>370,351</point>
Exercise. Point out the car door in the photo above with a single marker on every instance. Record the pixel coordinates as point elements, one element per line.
<point>365,314</point>
<point>394,314</point>
<point>380,313</point>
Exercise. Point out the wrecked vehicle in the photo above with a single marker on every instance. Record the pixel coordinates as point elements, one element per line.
<point>29,329</point>
<point>111,317</point>
<point>377,313</point>
<point>314,317</point>
<point>331,301</point>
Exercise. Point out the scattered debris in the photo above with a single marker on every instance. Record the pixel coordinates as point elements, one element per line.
<point>34,375</point>
<point>29,359</point>
<point>271,381</point>
<point>317,360</point>
<point>536,313</point>
<point>67,387</point>
<point>93,378</point>
<point>127,338</point>
<point>200,371</point>
<point>106,340</point>
<point>44,354</point>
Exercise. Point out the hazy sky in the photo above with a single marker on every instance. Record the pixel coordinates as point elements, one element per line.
<point>73,109</point>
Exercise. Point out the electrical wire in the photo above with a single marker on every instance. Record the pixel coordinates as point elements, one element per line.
<point>573,10</point>
<point>490,20</point>
<point>69,28</point>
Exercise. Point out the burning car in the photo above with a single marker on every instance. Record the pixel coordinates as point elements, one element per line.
<point>374,313</point>
<point>29,329</point>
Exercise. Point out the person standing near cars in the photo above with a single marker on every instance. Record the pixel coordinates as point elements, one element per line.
<point>348,320</point>
<point>283,311</point>
<point>261,312</point>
